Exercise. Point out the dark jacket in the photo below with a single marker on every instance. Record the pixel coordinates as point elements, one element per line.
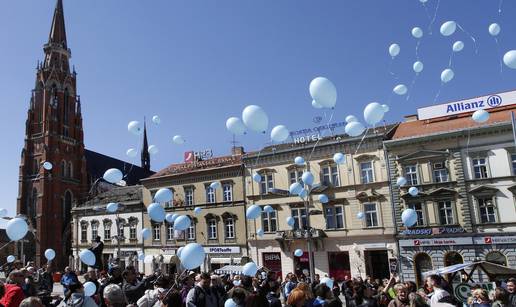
<point>133,291</point>
<point>273,300</point>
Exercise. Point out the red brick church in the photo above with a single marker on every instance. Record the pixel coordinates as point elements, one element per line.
<point>54,134</point>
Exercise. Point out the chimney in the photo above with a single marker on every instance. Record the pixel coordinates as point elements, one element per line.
<point>237,150</point>
<point>411,118</point>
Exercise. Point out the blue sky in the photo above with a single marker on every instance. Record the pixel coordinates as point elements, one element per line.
<point>196,63</point>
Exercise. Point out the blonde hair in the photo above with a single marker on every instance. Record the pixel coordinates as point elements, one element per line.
<point>296,297</point>
<point>303,286</point>
<point>400,286</point>
<point>482,293</point>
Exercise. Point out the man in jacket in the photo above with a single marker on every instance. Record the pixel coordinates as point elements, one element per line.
<point>132,287</point>
<point>511,289</point>
<point>202,295</point>
<point>69,277</point>
<point>13,291</point>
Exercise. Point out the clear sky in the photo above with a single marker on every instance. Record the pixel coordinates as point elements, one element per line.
<point>195,63</point>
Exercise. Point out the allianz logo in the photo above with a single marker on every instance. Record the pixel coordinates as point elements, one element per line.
<point>491,101</point>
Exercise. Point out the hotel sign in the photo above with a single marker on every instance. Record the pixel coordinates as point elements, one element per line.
<point>468,105</point>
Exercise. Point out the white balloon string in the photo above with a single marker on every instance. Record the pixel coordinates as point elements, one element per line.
<point>500,7</point>
<point>417,49</point>
<point>433,19</point>
<point>470,36</point>
<point>140,145</point>
<point>450,61</point>
<point>390,69</point>
<point>362,140</point>
<point>499,54</point>
<point>427,13</point>
<point>438,92</point>
<point>321,136</point>
<point>412,84</point>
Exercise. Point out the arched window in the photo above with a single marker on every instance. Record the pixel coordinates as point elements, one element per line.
<point>67,207</point>
<point>63,169</point>
<point>70,169</point>
<point>422,263</point>
<point>497,258</point>
<point>32,205</point>
<point>452,258</point>
<point>66,107</point>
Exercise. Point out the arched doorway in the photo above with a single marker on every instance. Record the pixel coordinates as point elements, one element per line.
<point>497,258</point>
<point>452,258</point>
<point>422,264</point>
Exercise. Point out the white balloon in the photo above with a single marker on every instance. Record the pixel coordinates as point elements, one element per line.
<point>423,1</point>
<point>10,259</point>
<point>192,256</point>
<point>409,217</point>
<point>141,256</point>
<point>351,118</point>
<point>215,185</point>
<point>354,129</point>
<point>257,177</point>
<point>163,195</point>
<point>418,66</point>
<point>250,269</point>
<point>135,127</point>
<point>255,118</point>
<point>373,113</point>
<point>260,232</point>
<point>400,89</point>
<point>324,92</point>
<point>197,210</point>
<point>89,288</point>
<point>447,75</point>
<point>308,178</point>
<point>328,281</point>
<point>153,149</point>
<point>303,193</point>
<point>47,165</point>
<point>145,232</point>
<point>235,126</point>
<point>178,139</point>
<point>385,108</point>
<point>448,28</point>
<point>230,303</point>
<point>87,257</point>
<point>112,207</point>
<point>3,212</point>
<point>290,221</point>
<point>156,212</point>
<point>169,218</point>
<point>298,252</point>
<point>156,119</point>
<point>295,188</point>
<point>148,259</point>
<point>417,32</point>
<point>480,116</point>
<point>113,175</point>
<point>253,212</point>
<point>494,29</point>
<point>360,215</point>
<point>394,50</point>
<point>509,58</point>
<point>50,254</point>
<point>268,209</point>
<point>279,133</point>
<point>413,191</point>
<point>316,105</point>
<point>16,229</point>
<point>401,181</point>
<point>299,161</point>
<point>339,158</point>
<point>458,46</point>
<point>323,198</point>
<point>182,223</point>
<point>131,152</point>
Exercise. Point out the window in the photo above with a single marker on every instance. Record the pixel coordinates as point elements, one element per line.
<point>334,217</point>
<point>229,226</point>
<point>169,204</point>
<point>330,175</point>
<point>446,212</point>
<point>480,168</point>
<point>496,257</point>
<point>210,195</point>
<point>84,232</point>
<point>107,231</point>
<point>132,232</point>
<point>299,215</point>
<point>227,192</point>
<point>266,183</point>
<point>513,163</point>
<point>189,199</point>
<point>418,207</point>
<point>411,175</point>
<point>371,215</point>
<point>191,232</point>
<point>440,172</point>
<point>63,169</point>
<point>121,232</point>
<point>487,210</point>
<point>366,172</point>
<point>295,176</point>
<point>212,229</point>
<point>269,221</point>
<point>94,230</point>
<point>156,232</point>
<point>170,232</point>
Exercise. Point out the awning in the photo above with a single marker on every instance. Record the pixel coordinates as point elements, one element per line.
<point>220,260</point>
<point>235,269</point>
<point>491,269</point>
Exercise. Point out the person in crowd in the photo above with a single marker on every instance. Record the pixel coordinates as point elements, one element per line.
<point>188,283</point>
<point>480,298</point>
<point>290,285</point>
<point>202,295</point>
<point>435,282</point>
<point>500,297</point>
<point>46,282</point>
<point>307,290</point>
<point>272,293</point>
<point>401,299</point>
<point>68,278</point>
<point>13,290</point>
<point>32,301</point>
<point>97,247</point>
<point>296,298</point>
<point>113,296</point>
<point>114,278</point>
<point>152,296</point>
<point>30,285</point>
<point>218,288</point>
<point>76,298</point>
<point>315,282</point>
<point>323,293</point>
<point>416,300</point>
<point>171,299</point>
<point>511,290</point>
<point>132,287</point>
<point>256,300</point>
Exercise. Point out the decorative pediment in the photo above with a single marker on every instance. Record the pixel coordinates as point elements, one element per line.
<point>369,194</point>
<point>442,191</point>
<point>407,195</point>
<point>210,216</point>
<point>326,162</point>
<point>295,167</point>
<point>107,221</point>
<point>266,171</point>
<point>228,215</point>
<point>484,189</point>
<point>366,157</point>
<point>424,155</point>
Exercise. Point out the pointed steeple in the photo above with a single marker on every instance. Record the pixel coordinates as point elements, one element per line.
<point>57,53</point>
<point>145,149</point>
<point>57,31</point>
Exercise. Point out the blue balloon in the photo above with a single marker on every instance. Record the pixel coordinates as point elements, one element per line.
<point>10,259</point>
<point>250,269</point>
<point>87,257</point>
<point>112,207</point>
<point>303,193</point>
<point>145,232</point>
<point>192,256</point>
<point>179,251</point>
<point>16,229</point>
<point>298,252</point>
<point>215,185</point>
<point>339,158</point>
<point>299,161</point>
<point>50,254</point>
<point>163,195</point>
<point>182,222</point>
<point>197,210</point>
<point>268,209</point>
<point>413,191</point>
<point>295,188</point>
<point>230,303</point>
<point>253,212</point>
<point>290,221</point>
<point>257,177</point>
<point>260,232</point>
<point>89,288</point>
<point>308,178</point>
<point>360,215</point>
<point>323,198</point>
<point>327,281</point>
<point>169,218</point>
<point>113,175</point>
<point>156,212</point>
<point>409,217</point>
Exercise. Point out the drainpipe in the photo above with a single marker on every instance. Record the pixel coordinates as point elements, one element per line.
<point>243,169</point>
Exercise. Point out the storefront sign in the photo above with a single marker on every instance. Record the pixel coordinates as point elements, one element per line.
<point>272,261</point>
<point>432,231</point>
<point>437,242</point>
<point>222,250</point>
<point>496,240</point>
<point>192,156</point>
<point>375,245</point>
<point>127,253</point>
<point>468,105</point>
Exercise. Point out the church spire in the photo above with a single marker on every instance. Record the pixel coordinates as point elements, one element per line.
<point>57,53</point>
<point>57,31</point>
<point>145,149</point>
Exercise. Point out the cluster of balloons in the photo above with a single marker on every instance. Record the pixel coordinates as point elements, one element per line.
<point>408,216</point>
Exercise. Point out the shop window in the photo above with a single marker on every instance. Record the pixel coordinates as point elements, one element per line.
<point>446,216</point>
<point>210,195</point>
<point>486,209</point>
<point>371,215</point>
<point>418,207</point>
<point>299,215</point>
<point>423,264</point>
<point>479,167</point>
<point>269,221</point>
<point>266,183</point>
<point>411,175</point>
<point>497,258</point>
<point>334,217</point>
<point>339,266</point>
<point>366,172</point>
<point>227,192</point>
<point>452,258</point>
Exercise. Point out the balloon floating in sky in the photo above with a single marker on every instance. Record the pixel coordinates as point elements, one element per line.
<point>409,217</point>
<point>16,229</point>
<point>253,212</point>
<point>113,175</point>
<point>145,232</point>
<point>87,257</point>
<point>290,221</point>
<point>10,259</point>
<point>299,161</point>
<point>354,129</point>
<point>250,269</point>
<point>494,29</point>
<point>385,108</point>
<point>177,139</point>
<point>308,178</point>
<point>323,198</point>
<point>298,252</point>
<point>458,46</point>
<point>417,32</point>
<point>401,181</point>
<point>235,125</point>
<point>131,152</point>
<point>47,165</point>
<point>192,256</point>
<point>279,133</point>
<point>480,116</point>
<point>339,158</point>
<point>413,191</point>
<point>400,89</point>
<point>163,195</point>
<point>257,177</point>
<point>153,149</point>
<point>50,254</point>
<point>323,92</point>
<point>156,119</point>
<point>360,215</point>
<point>215,185</point>
<point>89,288</point>
<point>316,105</point>
<point>394,50</point>
<point>373,113</point>
<point>447,75</point>
<point>255,118</point>
<point>112,207</point>
<point>448,28</point>
<point>156,212</point>
<point>295,188</point>
<point>3,213</point>
<point>268,209</point>
<point>182,223</point>
<point>509,58</point>
<point>418,67</point>
<point>351,118</point>
<point>135,127</point>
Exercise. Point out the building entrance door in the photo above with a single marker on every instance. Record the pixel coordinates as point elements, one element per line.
<point>377,264</point>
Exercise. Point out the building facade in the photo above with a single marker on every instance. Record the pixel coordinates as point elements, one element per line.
<point>464,172</point>
<point>220,226</point>
<point>343,244</point>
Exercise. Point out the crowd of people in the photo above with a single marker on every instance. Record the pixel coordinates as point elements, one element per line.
<point>30,287</point>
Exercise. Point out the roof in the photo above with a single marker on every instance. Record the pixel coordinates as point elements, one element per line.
<point>97,164</point>
<point>203,165</point>
<point>463,121</point>
<point>117,194</point>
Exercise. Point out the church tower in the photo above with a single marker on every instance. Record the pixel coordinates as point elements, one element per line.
<point>53,134</point>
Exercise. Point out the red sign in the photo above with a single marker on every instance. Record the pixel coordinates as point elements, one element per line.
<point>272,261</point>
<point>417,242</point>
<point>488,240</point>
<point>189,156</point>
